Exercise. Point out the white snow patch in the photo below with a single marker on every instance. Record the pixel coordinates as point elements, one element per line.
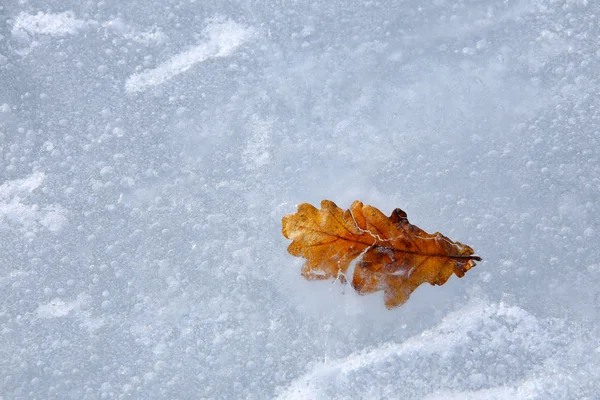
<point>223,38</point>
<point>20,187</point>
<point>60,24</point>
<point>15,210</point>
<point>54,219</point>
<point>455,331</point>
<point>57,308</point>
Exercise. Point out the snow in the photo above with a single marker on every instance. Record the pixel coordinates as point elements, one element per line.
<point>58,24</point>
<point>14,210</point>
<point>59,308</point>
<point>222,39</point>
<point>508,331</point>
<point>148,153</point>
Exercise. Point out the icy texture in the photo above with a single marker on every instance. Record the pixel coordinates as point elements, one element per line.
<point>148,151</point>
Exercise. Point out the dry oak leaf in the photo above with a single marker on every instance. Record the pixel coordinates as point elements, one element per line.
<point>396,256</point>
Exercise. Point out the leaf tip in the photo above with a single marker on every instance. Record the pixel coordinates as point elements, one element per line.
<point>328,205</point>
<point>398,215</point>
<point>356,204</point>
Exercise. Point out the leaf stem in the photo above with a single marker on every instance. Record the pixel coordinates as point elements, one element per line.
<point>476,258</point>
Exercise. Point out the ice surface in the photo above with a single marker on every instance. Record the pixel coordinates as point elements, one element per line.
<point>148,152</point>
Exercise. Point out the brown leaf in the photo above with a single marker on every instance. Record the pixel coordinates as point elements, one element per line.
<point>397,257</point>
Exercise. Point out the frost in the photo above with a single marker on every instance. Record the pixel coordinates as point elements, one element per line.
<point>54,220</point>
<point>222,38</point>
<point>58,308</point>
<point>496,329</point>
<point>16,210</point>
<point>59,24</point>
<point>21,187</point>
